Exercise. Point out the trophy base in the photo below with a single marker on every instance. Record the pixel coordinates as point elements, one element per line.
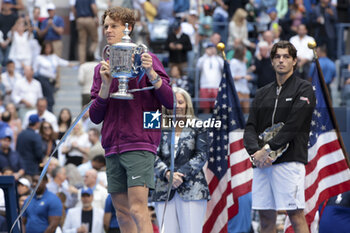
<point>122,95</point>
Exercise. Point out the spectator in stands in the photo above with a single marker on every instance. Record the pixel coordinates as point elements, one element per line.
<point>248,55</point>
<point>150,10</point>
<point>205,22</point>
<point>48,137</point>
<point>110,222</point>
<point>43,113</point>
<point>210,66</point>
<point>345,93</point>
<point>85,12</point>
<point>29,146</point>
<point>85,80</point>
<point>97,163</point>
<point>7,21</point>
<point>165,10</point>
<point>26,92</point>
<point>36,24</point>
<point>44,211</point>
<point>17,5</point>
<point>273,19</point>
<point>179,79</point>
<point>297,14</point>
<point>178,44</point>
<point>238,29</point>
<point>327,66</point>
<point>267,36</point>
<point>189,194</point>
<point>15,122</point>
<point>77,145</point>
<point>324,18</point>
<point>59,183</point>
<point>23,187</point>
<point>52,29</point>
<point>53,164</point>
<point>100,192</point>
<point>241,77</point>
<point>263,67</point>
<point>335,214</point>
<point>220,20</point>
<point>10,158</point>
<point>46,67</point>
<point>101,6</point>
<point>9,78</point>
<point>73,40</point>
<point>21,50</point>
<point>189,27</point>
<point>64,121</point>
<point>96,147</point>
<point>305,55</point>
<point>86,218</point>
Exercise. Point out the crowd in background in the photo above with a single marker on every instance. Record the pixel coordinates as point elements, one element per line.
<point>184,33</point>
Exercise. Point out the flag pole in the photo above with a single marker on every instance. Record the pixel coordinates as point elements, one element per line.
<point>312,45</point>
<point>221,47</point>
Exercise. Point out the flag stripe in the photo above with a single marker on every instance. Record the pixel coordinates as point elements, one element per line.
<point>327,173</point>
<point>323,150</point>
<point>228,167</point>
<point>243,189</point>
<point>323,173</point>
<point>325,161</point>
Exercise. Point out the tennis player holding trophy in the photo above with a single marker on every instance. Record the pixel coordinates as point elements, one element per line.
<point>129,148</point>
<point>276,137</point>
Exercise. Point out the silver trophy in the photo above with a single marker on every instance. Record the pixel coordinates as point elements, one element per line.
<point>125,63</point>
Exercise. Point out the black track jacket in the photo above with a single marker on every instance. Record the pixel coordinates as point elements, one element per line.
<point>294,107</point>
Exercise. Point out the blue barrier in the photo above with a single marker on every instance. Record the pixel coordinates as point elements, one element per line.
<point>8,184</point>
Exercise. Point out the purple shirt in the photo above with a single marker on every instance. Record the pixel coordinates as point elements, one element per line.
<point>122,128</point>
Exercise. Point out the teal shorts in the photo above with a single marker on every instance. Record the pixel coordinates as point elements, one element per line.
<point>129,169</point>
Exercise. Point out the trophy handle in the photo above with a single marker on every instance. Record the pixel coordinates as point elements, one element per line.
<point>137,68</point>
<point>105,53</point>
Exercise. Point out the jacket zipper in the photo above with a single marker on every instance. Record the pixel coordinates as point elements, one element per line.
<point>278,91</point>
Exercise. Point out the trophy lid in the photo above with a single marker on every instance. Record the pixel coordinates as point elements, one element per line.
<point>126,38</point>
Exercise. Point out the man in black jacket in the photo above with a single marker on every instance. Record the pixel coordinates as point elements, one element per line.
<point>278,183</point>
<point>178,44</point>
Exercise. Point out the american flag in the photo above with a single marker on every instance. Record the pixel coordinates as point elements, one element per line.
<point>327,171</point>
<point>229,172</point>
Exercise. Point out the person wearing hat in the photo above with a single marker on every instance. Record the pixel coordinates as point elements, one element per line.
<point>23,187</point>
<point>210,65</point>
<point>8,157</point>
<point>52,28</point>
<point>86,218</point>
<point>8,20</point>
<point>29,146</point>
<point>178,44</point>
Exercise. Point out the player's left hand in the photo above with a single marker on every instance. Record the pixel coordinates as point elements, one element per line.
<point>147,62</point>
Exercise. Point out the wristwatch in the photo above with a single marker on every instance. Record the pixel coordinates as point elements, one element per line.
<point>267,148</point>
<point>154,81</point>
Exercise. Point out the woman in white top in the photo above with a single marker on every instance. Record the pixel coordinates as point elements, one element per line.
<point>77,145</point>
<point>241,77</point>
<point>21,51</point>
<point>45,68</point>
<point>238,28</point>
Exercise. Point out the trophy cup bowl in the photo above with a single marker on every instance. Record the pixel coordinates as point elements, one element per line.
<point>125,63</point>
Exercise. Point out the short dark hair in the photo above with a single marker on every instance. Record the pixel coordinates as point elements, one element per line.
<point>9,62</point>
<point>95,131</point>
<point>46,43</point>
<point>283,44</point>
<point>99,159</point>
<point>55,171</point>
